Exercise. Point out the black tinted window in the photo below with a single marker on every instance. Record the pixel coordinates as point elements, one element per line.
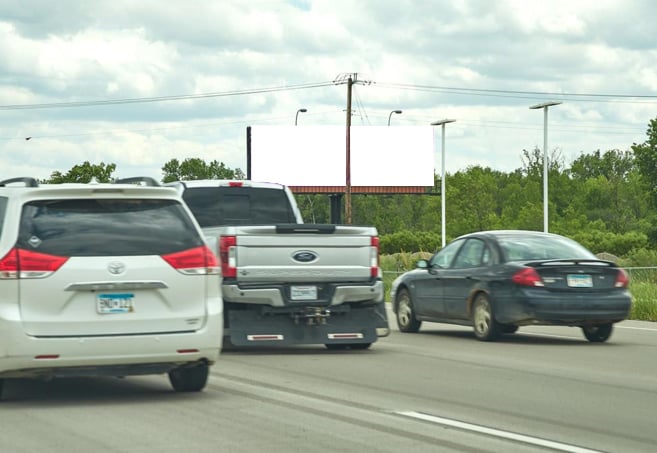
<point>3,209</point>
<point>216,206</point>
<point>104,227</point>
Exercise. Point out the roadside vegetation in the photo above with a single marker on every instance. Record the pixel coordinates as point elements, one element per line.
<point>607,201</point>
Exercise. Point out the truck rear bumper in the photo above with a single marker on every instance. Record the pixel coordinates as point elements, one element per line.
<point>277,295</point>
<point>348,325</point>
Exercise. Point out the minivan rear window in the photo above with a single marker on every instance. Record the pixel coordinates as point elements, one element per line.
<point>107,227</point>
<point>218,206</point>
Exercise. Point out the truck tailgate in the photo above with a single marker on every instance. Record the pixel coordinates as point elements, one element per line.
<point>345,254</point>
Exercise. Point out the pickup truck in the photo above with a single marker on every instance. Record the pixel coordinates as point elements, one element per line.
<point>285,282</point>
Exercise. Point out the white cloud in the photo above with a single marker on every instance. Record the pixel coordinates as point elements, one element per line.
<point>79,51</point>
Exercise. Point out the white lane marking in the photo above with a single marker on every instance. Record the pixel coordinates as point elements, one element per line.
<point>498,433</point>
<point>637,328</point>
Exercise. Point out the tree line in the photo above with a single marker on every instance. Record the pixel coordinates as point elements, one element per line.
<point>606,200</point>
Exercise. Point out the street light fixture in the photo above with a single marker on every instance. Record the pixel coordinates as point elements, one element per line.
<point>296,118</point>
<point>442,178</point>
<point>545,106</point>
<point>398,112</point>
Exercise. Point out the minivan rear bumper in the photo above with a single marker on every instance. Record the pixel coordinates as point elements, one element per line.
<point>119,355</point>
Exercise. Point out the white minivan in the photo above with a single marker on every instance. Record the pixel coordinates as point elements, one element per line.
<point>105,279</point>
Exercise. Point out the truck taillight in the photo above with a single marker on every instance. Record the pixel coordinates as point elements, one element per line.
<point>374,257</point>
<point>20,263</point>
<point>228,255</point>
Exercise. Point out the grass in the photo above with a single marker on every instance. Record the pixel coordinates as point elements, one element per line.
<point>643,283</point>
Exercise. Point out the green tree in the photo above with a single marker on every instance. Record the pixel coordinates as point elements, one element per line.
<point>195,168</point>
<point>645,156</point>
<point>84,173</point>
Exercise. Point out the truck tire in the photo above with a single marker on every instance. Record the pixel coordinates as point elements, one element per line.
<point>344,346</point>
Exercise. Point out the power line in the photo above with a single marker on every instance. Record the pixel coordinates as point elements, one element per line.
<point>577,97</point>
<point>182,97</point>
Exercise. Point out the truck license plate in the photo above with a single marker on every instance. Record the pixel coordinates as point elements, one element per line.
<point>115,303</point>
<point>307,292</point>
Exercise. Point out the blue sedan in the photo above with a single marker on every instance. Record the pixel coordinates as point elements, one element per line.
<point>497,281</point>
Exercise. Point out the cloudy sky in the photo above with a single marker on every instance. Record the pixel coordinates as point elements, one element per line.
<point>140,82</point>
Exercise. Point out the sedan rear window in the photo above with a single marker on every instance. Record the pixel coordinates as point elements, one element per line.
<point>525,248</point>
<point>106,227</point>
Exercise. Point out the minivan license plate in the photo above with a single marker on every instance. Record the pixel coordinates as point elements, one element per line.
<point>306,292</point>
<point>579,281</point>
<point>115,303</point>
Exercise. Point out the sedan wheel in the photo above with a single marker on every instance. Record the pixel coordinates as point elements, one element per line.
<point>483,319</point>
<point>598,334</point>
<point>406,320</point>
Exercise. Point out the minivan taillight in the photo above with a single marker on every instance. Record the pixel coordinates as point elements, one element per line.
<point>374,257</point>
<point>21,263</point>
<point>527,277</point>
<point>196,261</point>
<point>228,255</point>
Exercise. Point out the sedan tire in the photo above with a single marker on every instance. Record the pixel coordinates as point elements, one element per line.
<point>483,319</point>
<point>406,320</point>
<point>598,334</point>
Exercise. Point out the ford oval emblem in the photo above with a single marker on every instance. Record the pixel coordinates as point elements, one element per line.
<point>304,256</point>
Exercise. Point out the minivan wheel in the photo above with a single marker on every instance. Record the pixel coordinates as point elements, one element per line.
<point>598,334</point>
<point>483,319</point>
<point>189,378</point>
<point>406,320</point>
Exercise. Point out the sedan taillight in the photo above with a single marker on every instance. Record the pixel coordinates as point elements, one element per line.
<point>20,263</point>
<point>622,279</point>
<point>527,277</point>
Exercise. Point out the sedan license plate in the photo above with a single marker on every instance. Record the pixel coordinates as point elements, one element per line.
<point>579,281</point>
<point>115,303</point>
<point>307,292</point>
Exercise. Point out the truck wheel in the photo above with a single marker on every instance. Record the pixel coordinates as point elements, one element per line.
<point>598,334</point>
<point>406,320</point>
<point>189,379</point>
<point>343,346</point>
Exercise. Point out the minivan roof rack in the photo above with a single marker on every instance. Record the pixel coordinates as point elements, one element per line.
<point>147,180</point>
<point>27,180</point>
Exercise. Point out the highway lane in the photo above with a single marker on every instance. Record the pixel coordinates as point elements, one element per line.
<point>541,389</point>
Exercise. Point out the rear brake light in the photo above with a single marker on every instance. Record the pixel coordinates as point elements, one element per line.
<point>235,184</point>
<point>527,277</point>
<point>622,279</point>
<point>20,263</point>
<point>228,255</point>
<point>197,261</point>
<point>374,257</point>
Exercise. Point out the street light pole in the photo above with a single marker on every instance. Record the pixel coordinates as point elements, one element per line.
<point>442,178</point>
<point>398,112</point>
<point>545,106</point>
<point>296,118</point>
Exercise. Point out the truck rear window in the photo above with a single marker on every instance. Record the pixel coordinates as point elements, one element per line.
<point>107,227</point>
<point>219,206</point>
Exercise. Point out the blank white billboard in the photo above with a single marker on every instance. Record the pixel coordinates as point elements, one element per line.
<point>316,155</point>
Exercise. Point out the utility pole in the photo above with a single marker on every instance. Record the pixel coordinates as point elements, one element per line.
<point>351,79</point>
<point>347,193</point>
